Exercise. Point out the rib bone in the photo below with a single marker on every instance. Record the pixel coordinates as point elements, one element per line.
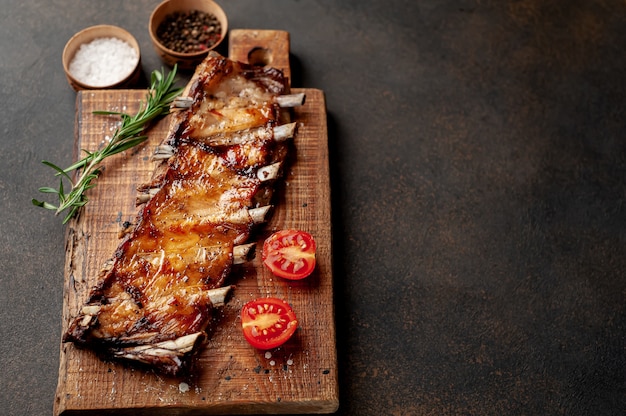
<point>269,172</point>
<point>286,100</point>
<point>291,100</point>
<point>163,151</point>
<point>179,346</point>
<point>144,196</point>
<point>284,132</point>
<point>218,296</point>
<point>259,214</point>
<point>182,102</point>
<point>243,253</point>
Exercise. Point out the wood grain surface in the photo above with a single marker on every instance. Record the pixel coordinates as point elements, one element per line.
<point>229,377</point>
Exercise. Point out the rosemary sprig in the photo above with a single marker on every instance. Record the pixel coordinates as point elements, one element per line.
<point>130,133</point>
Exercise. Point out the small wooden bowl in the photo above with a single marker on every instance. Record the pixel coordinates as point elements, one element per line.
<point>95,32</point>
<point>184,60</point>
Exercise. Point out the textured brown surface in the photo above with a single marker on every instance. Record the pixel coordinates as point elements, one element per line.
<point>477,161</point>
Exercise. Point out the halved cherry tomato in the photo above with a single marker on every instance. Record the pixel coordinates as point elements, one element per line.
<point>268,322</point>
<point>290,254</point>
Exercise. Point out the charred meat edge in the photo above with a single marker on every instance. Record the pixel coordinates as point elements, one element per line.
<point>172,356</point>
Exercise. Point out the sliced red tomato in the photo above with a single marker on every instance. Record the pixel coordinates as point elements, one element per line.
<point>268,322</point>
<point>290,254</point>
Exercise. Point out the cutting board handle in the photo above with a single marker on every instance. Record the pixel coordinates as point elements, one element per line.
<point>261,47</point>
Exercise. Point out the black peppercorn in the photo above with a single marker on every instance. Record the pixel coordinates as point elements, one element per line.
<point>189,32</point>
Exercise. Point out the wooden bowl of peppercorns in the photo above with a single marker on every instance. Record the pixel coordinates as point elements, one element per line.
<point>184,31</point>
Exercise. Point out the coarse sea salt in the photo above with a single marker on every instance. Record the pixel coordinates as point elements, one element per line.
<point>103,61</point>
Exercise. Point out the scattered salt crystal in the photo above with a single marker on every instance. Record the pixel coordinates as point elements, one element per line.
<point>103,61</point>
<point>268,355</point>
<point>183,387</point>
<point>290,362</point>
<point>272,363</point>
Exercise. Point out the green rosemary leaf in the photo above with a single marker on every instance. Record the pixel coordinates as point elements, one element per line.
<point>127,144</point>
<point>43,204</point>
<point>47,190</point>
<point>60,171</point>
<point>107,113</point>
<point>61,185</point>
<point>129,134</point>
<point>156,78</point>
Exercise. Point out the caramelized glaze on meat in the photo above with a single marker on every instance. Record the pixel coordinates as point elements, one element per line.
<point>153,301</point>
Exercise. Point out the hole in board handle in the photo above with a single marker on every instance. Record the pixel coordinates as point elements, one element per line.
<point>259,56</point>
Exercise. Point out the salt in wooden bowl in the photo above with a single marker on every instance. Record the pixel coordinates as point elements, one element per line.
<point>124,79</point>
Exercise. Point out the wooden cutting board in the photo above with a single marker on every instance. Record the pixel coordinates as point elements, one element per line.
<point>230,376</point>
